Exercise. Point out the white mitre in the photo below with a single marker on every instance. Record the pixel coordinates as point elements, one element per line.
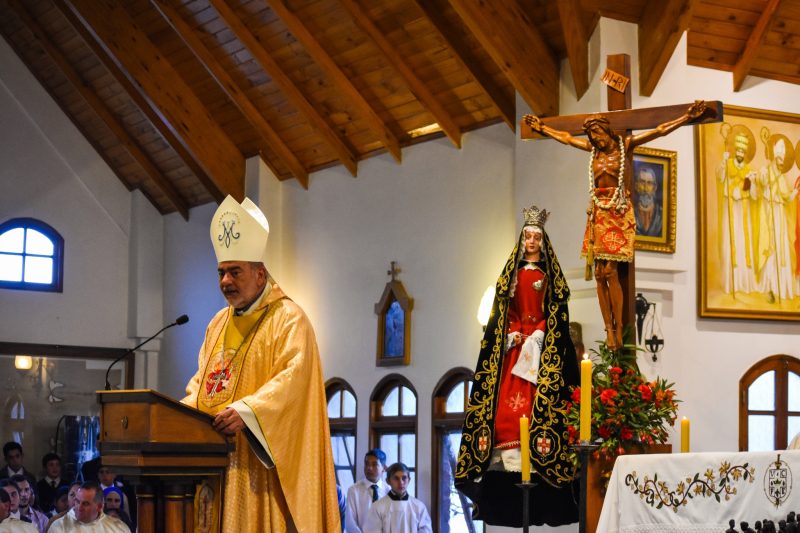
<point>779,149</point>
<point>239,231</point>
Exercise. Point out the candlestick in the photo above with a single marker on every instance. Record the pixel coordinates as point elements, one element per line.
<point>525,449</point>
<point>583,449</point>
<point>586,399</point>
<point>685,435</point>
<point>526,503</point>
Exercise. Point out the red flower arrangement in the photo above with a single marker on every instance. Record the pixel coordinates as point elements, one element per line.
<point>626,407</point>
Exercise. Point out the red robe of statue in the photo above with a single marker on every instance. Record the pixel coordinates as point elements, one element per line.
<point>525,315</point>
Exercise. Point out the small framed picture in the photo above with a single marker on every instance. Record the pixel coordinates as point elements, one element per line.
<point>394,326</point>
<point>653,194</point>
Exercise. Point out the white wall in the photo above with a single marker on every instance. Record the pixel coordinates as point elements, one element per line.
<point>51,173</point>
<point>190,287</point>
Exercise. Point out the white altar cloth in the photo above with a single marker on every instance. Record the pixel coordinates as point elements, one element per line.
<point>699,492</point>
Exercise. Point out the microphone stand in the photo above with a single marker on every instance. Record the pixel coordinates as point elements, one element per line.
<point>183,319</point>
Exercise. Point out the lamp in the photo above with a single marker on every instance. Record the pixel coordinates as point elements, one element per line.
<point>653,342</point>
<point>23,362</point>
<point>485,307</point>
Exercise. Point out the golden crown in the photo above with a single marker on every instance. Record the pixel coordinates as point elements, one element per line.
<point>535,216</point>
<point>741,141</point>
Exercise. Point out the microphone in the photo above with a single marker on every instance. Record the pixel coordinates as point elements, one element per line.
<point>183,319</point>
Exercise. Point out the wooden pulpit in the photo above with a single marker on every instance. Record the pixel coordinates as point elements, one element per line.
<point>166,448</point>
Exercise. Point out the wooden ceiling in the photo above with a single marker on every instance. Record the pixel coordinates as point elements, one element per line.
<point>175,94</point>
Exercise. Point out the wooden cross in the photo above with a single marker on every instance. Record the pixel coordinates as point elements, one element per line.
<point>394,270</point>
<point>623,119</point>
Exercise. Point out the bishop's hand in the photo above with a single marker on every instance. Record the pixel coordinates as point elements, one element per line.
<point>228,422</point>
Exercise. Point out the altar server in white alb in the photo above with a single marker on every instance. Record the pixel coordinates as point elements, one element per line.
<point>362,494</point>
<point>398,511</point>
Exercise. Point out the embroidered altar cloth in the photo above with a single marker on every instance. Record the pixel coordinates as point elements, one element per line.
<point>699,492</point>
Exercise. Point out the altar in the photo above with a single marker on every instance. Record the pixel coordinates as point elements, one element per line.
<point>699,492</point>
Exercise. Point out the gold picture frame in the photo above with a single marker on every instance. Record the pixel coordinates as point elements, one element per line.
<point>748,244</point>
<point>655,174</point>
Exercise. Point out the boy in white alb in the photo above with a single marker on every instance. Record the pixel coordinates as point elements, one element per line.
<point>362,494</point>
<point>398,512</point>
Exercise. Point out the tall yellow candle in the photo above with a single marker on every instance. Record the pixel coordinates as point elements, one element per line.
<point>524,448</point>
<point>586,399</point>
<point>685,435</point>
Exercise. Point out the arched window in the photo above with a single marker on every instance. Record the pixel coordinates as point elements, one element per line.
<point>13,416</point>
<point>393,423</point>
<point>451,510</point>
<point>769,408</point>
<point>342,419</point>
<point>31,256</point>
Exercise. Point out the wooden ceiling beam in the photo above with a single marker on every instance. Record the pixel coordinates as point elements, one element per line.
<point>771,75</point>
<point>340,80</point>
<point>142,103</point>
<point>512,40</point>
<point>274,143</point>
<point>753,45</point>
<point>344,153</point>
<point>576,38</point>
<point>660,30</point>
<point>417,86</point>
<point>160,83</point>
<point>460,50</point>
<point>100,108</point>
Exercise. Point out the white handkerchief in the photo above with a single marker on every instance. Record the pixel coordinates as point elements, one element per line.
<point>527,366</point>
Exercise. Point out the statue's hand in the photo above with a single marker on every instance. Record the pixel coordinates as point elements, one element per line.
<point>534,122</point>
<point>696,109</point>
<point>516,339</point>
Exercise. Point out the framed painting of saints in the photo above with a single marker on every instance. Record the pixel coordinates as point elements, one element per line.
<point>654,198</point>
<point>748,181</point>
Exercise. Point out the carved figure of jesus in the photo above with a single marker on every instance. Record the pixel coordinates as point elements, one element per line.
<point>611,226</point>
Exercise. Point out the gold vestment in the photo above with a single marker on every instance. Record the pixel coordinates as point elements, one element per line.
<point>269,360</point>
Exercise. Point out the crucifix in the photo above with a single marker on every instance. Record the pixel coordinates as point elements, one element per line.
<point>217,381</point>
<point>608,244</point>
